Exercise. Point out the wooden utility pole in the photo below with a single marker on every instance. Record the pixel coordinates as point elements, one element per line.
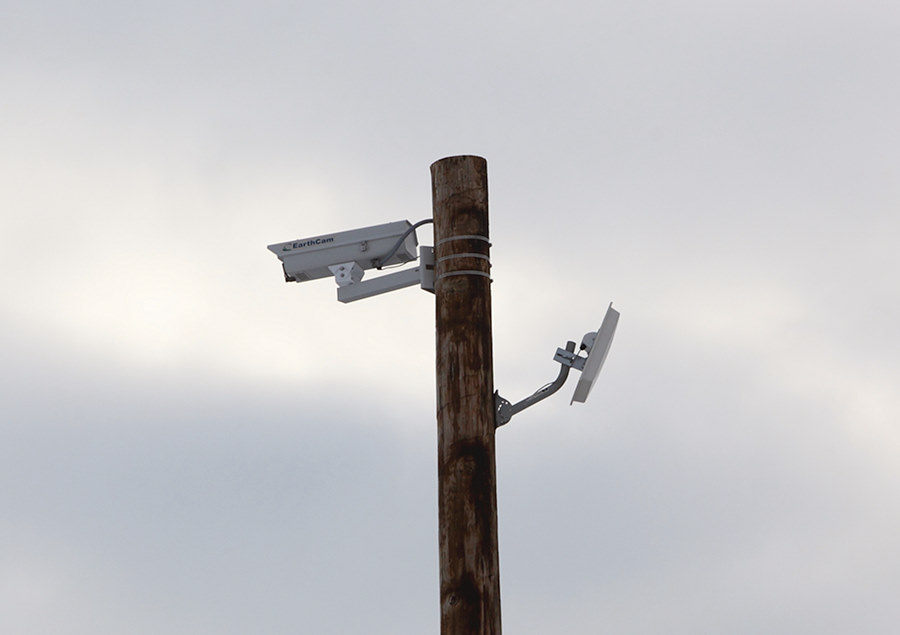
<point>467,487</point>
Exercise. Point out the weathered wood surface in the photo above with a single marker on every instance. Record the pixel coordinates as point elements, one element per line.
<point>467,498</point>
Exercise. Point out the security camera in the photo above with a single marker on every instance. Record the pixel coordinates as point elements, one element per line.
<point>355,250</point>
<point>346,256</point>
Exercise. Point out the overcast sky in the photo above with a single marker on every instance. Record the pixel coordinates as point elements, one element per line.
<point>191,446</point>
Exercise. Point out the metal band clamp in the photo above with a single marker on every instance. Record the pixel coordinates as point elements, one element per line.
<point>463,237</point>
<point>465,272</point>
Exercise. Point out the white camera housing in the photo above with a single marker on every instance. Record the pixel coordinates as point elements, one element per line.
<point>311,258</point>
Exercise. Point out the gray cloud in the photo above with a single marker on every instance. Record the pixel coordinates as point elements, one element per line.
<point>190,445</point>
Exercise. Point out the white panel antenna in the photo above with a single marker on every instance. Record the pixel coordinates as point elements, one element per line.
<point>597,347</point>
<point>596,343</point>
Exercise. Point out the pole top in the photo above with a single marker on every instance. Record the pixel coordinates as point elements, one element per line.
<point>460,158</point>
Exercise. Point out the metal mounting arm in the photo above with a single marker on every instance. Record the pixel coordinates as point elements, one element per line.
<point>505,410</point>
<point>351,286</point>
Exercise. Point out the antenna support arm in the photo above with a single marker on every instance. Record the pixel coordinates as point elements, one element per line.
<point>506,410</point>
